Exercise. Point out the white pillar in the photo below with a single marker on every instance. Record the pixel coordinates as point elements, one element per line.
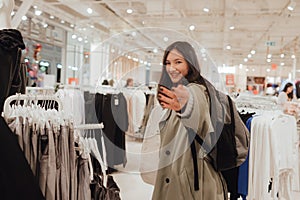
<point>99,63</point>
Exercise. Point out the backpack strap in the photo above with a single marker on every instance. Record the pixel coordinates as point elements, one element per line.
<point>231,112</point>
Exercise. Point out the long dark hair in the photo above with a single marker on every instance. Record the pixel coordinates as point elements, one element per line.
<point>291,94</point>
<point>188,53</point>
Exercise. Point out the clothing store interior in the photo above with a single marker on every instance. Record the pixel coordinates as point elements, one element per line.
<point>85,116</point>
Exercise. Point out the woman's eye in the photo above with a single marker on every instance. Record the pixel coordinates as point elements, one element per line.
<point>178,62</point>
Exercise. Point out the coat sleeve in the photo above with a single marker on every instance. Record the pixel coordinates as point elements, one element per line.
<point>199,118</point>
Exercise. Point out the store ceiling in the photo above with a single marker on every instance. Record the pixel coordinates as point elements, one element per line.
<point>266,26</point>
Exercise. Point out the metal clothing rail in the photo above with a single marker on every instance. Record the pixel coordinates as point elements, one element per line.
<point>28,97</point>
<point>89,126</point>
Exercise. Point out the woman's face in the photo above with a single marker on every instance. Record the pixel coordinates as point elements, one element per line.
<point>176,66</point>
<point>289,90</point>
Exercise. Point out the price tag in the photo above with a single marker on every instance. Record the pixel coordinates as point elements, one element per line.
<point>116,102</point>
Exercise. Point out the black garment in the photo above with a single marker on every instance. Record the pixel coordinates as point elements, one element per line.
<point>12,73</point>
<point>16,178</point>
<point>111,109</point>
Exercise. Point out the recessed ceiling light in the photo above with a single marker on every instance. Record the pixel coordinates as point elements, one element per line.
<point>12,13</point>
<point>89,10</point>
<point>51,17</point>
<point>84,29</point>
<point>74,36</point>
<point>205,59</point>
<point>228,47</point>
<point>129,11</point>
<point>253,52</point>
<point>206,9</point>
<point>192,27</point>
<point>241,66</point>
<point>72,25</point>
<point>293,56</point>
<point>249,55</point>
<point>253,70</point>
<point>269,56</point>
<point>35,7</point>
<point>166,39</point>
<point>291,6</point>
<point>24,18</point>
<point>282,64</point>
<point>247,70</point>
<point>282,55</point>
<point>231,27</point>
<point>92,26</point>
<point>85,41</point>
<point>62,21</point>
<point>268,70</point>
<point>79,39</point>
<point>155,50</point>
<point>45,25</point>
<point>268,60</point>
<point>245,59</point>
<point>37,12</point>
<point>133,33</point>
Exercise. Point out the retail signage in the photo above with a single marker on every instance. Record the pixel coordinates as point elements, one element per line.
<point>270,43</point>
<point>229,79</point>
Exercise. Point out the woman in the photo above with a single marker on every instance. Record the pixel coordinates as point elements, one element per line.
<point>286,94</point>
<point>183,96</point>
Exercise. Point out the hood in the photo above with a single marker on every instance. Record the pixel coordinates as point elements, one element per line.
<point>11,39</point>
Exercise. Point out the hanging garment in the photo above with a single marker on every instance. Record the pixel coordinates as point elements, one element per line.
<point>16,178</point>
<point>11,71</point>
<point>111,110</point>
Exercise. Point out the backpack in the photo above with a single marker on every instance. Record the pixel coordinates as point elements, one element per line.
<point>231,136</point>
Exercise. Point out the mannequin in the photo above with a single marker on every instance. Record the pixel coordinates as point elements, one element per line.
<point>16,178</point>
<point>12,74</point>
<point>6,7</point>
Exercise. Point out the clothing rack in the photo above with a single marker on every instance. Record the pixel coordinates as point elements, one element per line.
<point>89,126</point>
<point>28,97</point>
<point>103,163</point>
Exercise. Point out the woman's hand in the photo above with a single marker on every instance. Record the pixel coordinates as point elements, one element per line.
<point>174,99</point>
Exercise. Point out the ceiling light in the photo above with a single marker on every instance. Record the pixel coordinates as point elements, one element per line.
<point>80,39</point>
<point>268,70</point>
<point>203,55</point>
<point>245,59</point>
<point>202,50</point>
<point>37,12</point>
<point>282,55</point>
<point>253,52</point>
<point>45,25</point>
<point>129,11</point>
<point>241,66</point>
<point>72,25</point>
<point>133,33</point>
<point>228,47</point>
<point>231,27</point>
<point>206,9</point>
<point>74,36</point>
<point>205,59</point>
<point>282,64</point>
<point>24,18</point>
<point>293,56</point>
<point>166,39</point>
<point>92,26</point>
<point>269,56</point>
<point>85,41</point>
<point>247,70</point>
<point>268,60</point>
<point>291,6</point>
<point>89,10</point>
<point>12,13</point>
<point>62,21</point>
<point>155,50</point>
<point>51,17</point>
<point>160,64</point>
<point>192,27</point>
<point>249,55</point>
<point>253,70</point>
<point>35,7</point>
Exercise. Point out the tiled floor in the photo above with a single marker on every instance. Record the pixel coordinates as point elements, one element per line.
<point>130,182</point>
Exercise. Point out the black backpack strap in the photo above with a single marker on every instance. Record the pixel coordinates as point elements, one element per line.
<point>231,112</point>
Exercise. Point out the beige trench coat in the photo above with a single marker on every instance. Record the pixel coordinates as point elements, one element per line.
<point>175,177</point>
